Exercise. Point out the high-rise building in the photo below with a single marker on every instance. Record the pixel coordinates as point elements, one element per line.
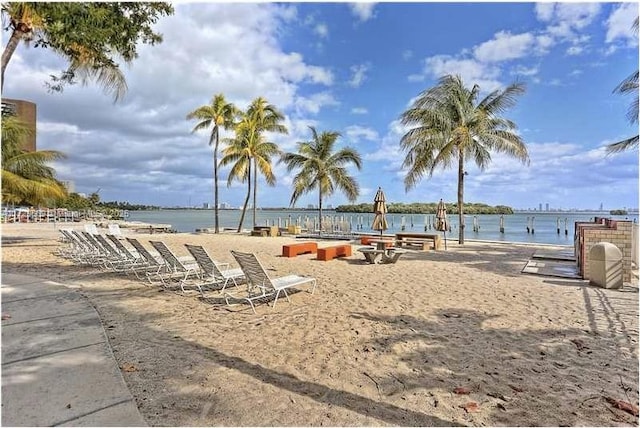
<point>26,112</point>
<point>546,206</point>
<point>540,206</point>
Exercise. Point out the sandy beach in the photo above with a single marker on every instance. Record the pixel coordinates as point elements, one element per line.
<point>374,345</point>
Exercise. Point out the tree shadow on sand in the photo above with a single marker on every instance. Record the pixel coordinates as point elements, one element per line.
<point>511,375</point>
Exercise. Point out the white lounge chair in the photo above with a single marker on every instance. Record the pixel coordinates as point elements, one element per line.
<point>114,229</point>
<point>91,228</point>
<point>218,272</point>
<point>260,285</point>
<point>181,270</point>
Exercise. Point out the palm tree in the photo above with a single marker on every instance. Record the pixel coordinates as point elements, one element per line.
<point>628,86</point>
<point>250,152</point>
<point>448,123</point>
<point>238,154</point>
<point>263,117</point>
<point>218,113</point>
<point>25,176</point>
<point>27,21</point>
<point>322,168</point>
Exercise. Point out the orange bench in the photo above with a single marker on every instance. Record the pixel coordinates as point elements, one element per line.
<point>329,253</point>
<point>366,240</point>
<point>293,250</point>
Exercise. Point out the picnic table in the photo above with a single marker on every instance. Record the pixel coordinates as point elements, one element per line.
<point>386,255</point>
<point>382,244</point>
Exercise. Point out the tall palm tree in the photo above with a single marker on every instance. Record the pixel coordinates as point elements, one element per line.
<point>26,178</point>
<point>628,86</point>
<point>449,123</point>
<point>322,168</point>
<point>250,152</point>
<point>218,114</point>
<point>238,155</point>
<point>263,117</point>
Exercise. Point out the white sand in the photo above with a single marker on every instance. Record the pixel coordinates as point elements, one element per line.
<point>375,344</point>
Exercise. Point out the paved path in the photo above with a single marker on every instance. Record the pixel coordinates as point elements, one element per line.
<point>57,365</point>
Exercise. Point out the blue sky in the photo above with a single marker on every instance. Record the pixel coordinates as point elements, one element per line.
<point>353,68</point>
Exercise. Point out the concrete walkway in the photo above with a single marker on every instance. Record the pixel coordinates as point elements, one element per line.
<point>57,365</point>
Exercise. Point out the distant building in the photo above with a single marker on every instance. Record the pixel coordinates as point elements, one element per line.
<point>69,185</point>
<point>540,206</point>
<point>206,205</point>
<point>26,112</point>
<point>224,206</point>
<point>311,207</point>
<point>601,206</point>
<point>546,207</point>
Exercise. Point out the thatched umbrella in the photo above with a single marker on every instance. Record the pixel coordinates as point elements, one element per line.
<point>441,224</point>
<point>379,209</point>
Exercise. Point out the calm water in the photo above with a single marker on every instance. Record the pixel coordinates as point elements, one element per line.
<point>544,225</point>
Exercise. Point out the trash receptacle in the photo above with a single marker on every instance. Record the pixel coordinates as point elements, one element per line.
<point>605,265</point>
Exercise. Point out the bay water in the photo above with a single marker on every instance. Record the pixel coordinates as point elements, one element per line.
<point>533,227</point>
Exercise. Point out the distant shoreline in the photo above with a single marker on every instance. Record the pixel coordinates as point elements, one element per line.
<point>515,211</point>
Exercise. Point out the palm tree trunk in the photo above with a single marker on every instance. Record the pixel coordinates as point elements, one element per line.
<point>320,209</point>
<point>12,44</point>
<point>215,187</point>
<point>255,189</point>
<point>460,196</point>
<point>246,200</point>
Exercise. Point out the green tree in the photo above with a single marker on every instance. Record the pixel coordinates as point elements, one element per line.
<point>250,152</point>
<point>322,168</point>
<point>449,123</point>
<point>89,36</point>
<point>26,178</point>
<point>263,117</point>
<point>626,87</point>
<point>218,114</point>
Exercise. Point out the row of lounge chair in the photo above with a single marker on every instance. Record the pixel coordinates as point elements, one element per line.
<point>162,266</point>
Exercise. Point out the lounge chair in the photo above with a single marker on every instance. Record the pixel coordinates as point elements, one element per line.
<point>155,267</point>
<point>91,228</point>
<point>114,229</point>
<point>260,285</point>
<point>219,272</point>
<point>180,270</point>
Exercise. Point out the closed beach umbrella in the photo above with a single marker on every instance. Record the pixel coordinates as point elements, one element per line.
<point>441,220</point>
<point>379,209</point>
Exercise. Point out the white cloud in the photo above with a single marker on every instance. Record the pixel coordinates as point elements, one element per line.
<point>356,133</point>
<point>359,110</point>
<point>471,70</point>
<point>416,78</point>
<point>544,43</point>
<point>525,71</point>
<point>321,30</point>
<point>620,22</point>
<point>363,11</point>
<point>359,75</point>
<point>315,102</point>
<point>576,15</point>
<point>544,11</point>
<point>504,46</point>
<point>407,54</point>
<point>575,50</point>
